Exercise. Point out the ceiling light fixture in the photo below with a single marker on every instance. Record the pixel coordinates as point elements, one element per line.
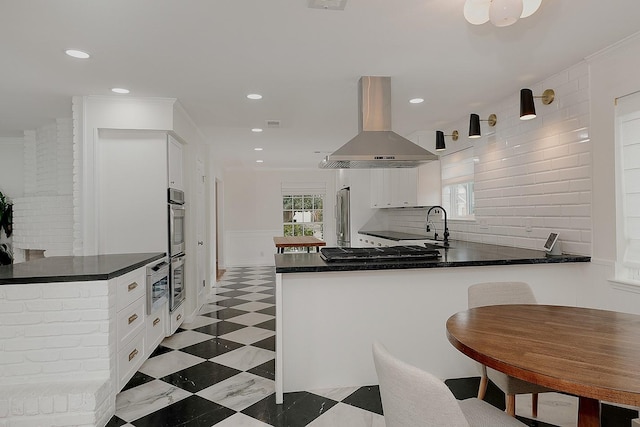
<point>256,130</point>
<point>527,106</point>
<point>254,96</point>
<point>501,13</point>
<point>416,101</point>
<point>474,124</point>
<point>77,53</point>
<point>259,161</point>
<point>257,149</point>
<point>120,90</point>
<point>440,145</point>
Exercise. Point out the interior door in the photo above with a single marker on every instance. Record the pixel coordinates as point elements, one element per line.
<point>201,228</point>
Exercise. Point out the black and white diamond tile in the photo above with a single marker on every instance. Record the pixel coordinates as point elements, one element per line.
<point>219,370</point>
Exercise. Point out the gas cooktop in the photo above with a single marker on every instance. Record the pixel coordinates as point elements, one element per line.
<point>378,254</point>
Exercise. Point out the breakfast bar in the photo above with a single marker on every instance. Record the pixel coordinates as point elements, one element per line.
<point>402,302</point>
<point>74,331</point>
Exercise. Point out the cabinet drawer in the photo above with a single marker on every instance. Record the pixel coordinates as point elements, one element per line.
<point>156,326</point>
<point>130,287</point>
<point>130,321</point>
<point>176,319</point>
<point>130,358</point>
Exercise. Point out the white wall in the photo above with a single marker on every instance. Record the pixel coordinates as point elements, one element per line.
<point>253,212</point>
<point>12,166</point>
<point>613,74</point>
<point>533,177</point>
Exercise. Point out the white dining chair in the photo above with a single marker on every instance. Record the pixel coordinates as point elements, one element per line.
<point>412,397</point>
<point>500,293</point>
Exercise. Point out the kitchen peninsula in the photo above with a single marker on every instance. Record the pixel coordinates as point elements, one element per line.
<point>74,330</point>
<point>329,313</point>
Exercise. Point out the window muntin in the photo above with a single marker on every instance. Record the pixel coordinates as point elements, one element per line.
<point>303,215</point>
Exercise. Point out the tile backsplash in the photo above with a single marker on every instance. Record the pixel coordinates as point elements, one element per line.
<point>531,177</point>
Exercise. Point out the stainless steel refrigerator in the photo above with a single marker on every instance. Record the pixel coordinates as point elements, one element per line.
<point>343,224</point>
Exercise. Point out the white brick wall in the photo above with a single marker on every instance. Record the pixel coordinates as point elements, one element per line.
<point>46,328</point>
<point>57,345</point>
<point>43,218</point>
<point>529,175</point>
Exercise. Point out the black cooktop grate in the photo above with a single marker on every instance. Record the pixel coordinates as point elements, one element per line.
<point>378,254</point>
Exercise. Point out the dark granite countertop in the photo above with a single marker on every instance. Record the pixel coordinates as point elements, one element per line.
<point>74,268</point>
<point>395,235</point>
<point>461,254</point>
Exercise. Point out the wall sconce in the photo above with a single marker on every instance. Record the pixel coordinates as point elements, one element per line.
<point>474,124</point>
<point>440,145</point>
<point>528,108</point>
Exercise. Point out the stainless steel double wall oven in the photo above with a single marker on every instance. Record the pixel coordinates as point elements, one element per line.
<point>176,247</point>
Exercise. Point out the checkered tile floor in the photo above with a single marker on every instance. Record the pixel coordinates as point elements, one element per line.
<point>219,370</point>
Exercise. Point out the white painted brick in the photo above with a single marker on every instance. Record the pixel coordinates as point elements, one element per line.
<point>62,367</point>
<point>46,404</point>
<point>20,293</point>
<point>47,355</point>
<point>41,305</point>
<point>22,319</point>
<point>79,353</point>
<point>11,307</point>
<point>44,330</point>
<point>60,403</point>
<point>4,407</point>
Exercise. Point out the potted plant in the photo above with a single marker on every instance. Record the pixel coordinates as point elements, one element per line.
<point>6,215</point>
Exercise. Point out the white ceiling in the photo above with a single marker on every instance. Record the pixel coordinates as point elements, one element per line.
<point>305,62</point>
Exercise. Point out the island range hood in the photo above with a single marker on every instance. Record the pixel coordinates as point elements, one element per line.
<point>376,145</point>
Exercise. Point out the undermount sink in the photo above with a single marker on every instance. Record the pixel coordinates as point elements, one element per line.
<point>437,245</point>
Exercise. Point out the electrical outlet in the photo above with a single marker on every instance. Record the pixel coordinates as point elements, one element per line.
<point>483,225</point>
<point>527,225</point>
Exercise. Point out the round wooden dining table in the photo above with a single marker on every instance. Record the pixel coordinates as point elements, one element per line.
<point>593,354</point>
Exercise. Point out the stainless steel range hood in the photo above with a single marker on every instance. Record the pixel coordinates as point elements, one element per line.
<point>376,145</point>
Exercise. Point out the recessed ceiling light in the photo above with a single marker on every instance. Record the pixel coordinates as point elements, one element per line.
<point>259,161</point>
<point>257,130</point>
<point>416,101</point>
<point>254,96</point>
<point>77,53</point>
<point>257,149</point>
<point>120,90</point>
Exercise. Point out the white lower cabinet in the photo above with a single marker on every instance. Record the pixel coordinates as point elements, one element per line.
<point>130,358</point>
<point>365,241</point>
<point>156,327</point>
<point>175,319</point>
<point>130,323</point>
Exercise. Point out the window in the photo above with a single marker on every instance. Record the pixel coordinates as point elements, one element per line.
<point>458,200</point>
<point>302,215</point>
<point>303,210</point>
<point>628,188</point>
<point>457,184</point>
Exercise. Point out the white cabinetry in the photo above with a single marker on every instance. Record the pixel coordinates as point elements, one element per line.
<point>393,188</point>
<point>365,241</point>
<point>406,187</point>
<point>156,327</point>
<point>130,330</point>
<point>176,317</point>
<point>175,174</point>
<point>132,192</point>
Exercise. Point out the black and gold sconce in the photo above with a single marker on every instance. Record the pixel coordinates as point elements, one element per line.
<point>528,108</point>
<point>474,124</point>
<point>440,145</point>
